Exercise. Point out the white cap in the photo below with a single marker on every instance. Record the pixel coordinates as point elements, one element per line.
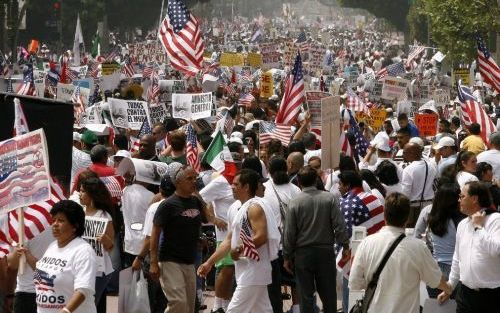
<point>236,135</point>
<point>418,141</point>
<point>77,136</point>
<point>381,142</point>
<point>236,139</point>
<point>122,153</point>
<point>445,142</point>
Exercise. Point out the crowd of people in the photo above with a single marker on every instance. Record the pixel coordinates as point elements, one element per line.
<point>276,223</point>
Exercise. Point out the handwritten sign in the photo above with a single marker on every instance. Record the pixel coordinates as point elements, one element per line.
<point>427,124</point>
<point>441,97</point>
<point>191,106</point>
<point>157,113</point>
<point>463,74</point>
<point>65,91</point>
<point>128,113</point>
<point>95,227</point>
<point>377,118</point>
<point>270,54</point>
<point>24,171</point>
<point>394,88</point>
<point>313,100</point>
<point>266,85</point>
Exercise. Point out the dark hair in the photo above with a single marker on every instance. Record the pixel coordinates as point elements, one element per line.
<point>234,146</point>
<point>463,156</point>
<point>444,207</point>
<point>455,121</point>
<point>83,176</point>
<point>251,178</point>
<point>481,169</point>
<point>250,133</point>
<point>351,178</point>
<point>402,116</point>
<point>397,209</point>
<point>74,214</point>
<point>482,192</point>
<point>346,163</point>
<point>252,162</point>
<point>99,193</point>
<point>307,176</point>
<point>387,173</point>
<point>296,146</point>
<point>167,187</point>
<point>99,154</point>
<point>404,131</point>
<point>121,142</point>
<point>278,170</point>
<point>274,147</point>
<point>475,129</point>
<point>445,123</point>
<point>178,140</point>
<point>205,141</point>
<point>309,140</point>
<point>372,181</point>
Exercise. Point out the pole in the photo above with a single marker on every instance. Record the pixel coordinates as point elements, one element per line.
<point>161,15</point>
<point>22,260</point>
<point>61,48</point>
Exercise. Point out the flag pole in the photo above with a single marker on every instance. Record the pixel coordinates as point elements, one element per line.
<point>22,259</point>
<point>161,15</point>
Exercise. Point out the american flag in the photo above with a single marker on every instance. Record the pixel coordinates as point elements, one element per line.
<point>154,87</point>
<point>487,67</point>
<point>360,208</point>
<point>36,218</point>
<point>115,185</point>
<point>270,130</point>
<point>246,99</point>
<point>181,38</point>
<point>345,146</point>
<point>229,89</point>
<point>355,103</point>
<point>93,69</point>
<point>361,142</point>
<point>249,249</point>
<point>225,121</point>
<point>394,70</point>
<point>414,52</point>
<point>112,54</point>
<point>28,86</point>
<point>472,112</point>
<point>301,42</point>
<point>77,101</point>
<point>43,281</point>
<point>70,74</point>
<point>128,68</point>
<point>147,71</point>
<point>293,96</point>
<point>144,130</point>
<point>192,148</point>
<point>246,75</point>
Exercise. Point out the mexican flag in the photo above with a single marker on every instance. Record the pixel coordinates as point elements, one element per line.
<point>96,45</point>
<point>219,157</point>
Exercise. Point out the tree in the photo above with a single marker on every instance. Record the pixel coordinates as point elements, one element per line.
<point>453,24</point>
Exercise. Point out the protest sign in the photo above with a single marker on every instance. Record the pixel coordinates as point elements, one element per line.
<point>157,113</point>
<point>266,85</point>
<point>316,55</point>
<point>330,132</point>
<point>92,115</point>
<point>394,88</point>
<point>377,118</point>
<point>290,53</point>
<point>128,113</point>
<point>313,100</point>
<point>145,171</point>
<point>270,54</point>
<point>109,68</point>
<point>81,70</point>
<point>65,91</point>
<point>441,97</point>
<point>24,174</point>
<point>231,59</point>
<point>109,82</point>
<point>427,124</point>
<point>377,90</point>
<point>147,51</point>
<point>95,227</point>
<point>254,59</point>
<point>169,87</point>
<point>40,87</point>
<point>461,74</point>
<point>37,74</point>
<point>191,106</point>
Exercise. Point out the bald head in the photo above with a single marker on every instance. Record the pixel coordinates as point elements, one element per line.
<point>295,162</point>
<point>147,148</point>
<point>412,152</point>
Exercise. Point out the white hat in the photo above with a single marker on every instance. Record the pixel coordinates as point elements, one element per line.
<point>122,153</point>
<point>381,142</point>
<point>236,135</point>
<point>418,141</point>
<point>236,139</point>
<point>445,142</point>
<point>77,136</point>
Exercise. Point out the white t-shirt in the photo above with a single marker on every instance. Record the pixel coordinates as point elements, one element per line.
<point>135,203</point>
<point>465,177</point>
<point>150,215</point>
<point>493,158</point>
<point>37,247</point>
<point>286,192</point>
<point>310,153</point>
<point>219,193</point>
<point>392,188</point>
<point>60,272</point>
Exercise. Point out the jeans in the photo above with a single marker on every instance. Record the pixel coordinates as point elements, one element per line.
<point>434,292</point>
<point>274,289</point>
<point>101,282</point>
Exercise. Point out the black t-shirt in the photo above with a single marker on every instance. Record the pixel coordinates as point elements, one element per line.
<point>180,219</point>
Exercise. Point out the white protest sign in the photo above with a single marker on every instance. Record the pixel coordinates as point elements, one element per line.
<point>157,113</point>
<point>24,171</point>
<point>95,227</point>
<point>192,106</point>
<point>128,113</point>
<point>109,82</point>
<point>37,74</point>
<point>81,70</point>
<point>65,91</point>
<point>92,115</point>
<point>169,87</point>
<point>40,87</point>
<point>441,97</point>
<point>394,88</point>
<point>330,132</point>
<point>144,171</point>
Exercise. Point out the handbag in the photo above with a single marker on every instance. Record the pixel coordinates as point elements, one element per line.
<point>361,306</point>
<point>138,298</point>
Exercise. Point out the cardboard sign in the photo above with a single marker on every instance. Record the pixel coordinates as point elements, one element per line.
<point>157,113</point>
<point>254,59</point>
<point>192,106</point>
<point>231,59</point>
<point>330,133</point>
<point>441,97</point>
<point>427,124</point>
<point>316,56</point>
<point>463,74</point>
<point>377,118</point>
<point>394,88</point>
<point>266,85</point>
<point>95,227</point>
<point>65,91</point>
<point>128,113</point>
<point>24,171</point>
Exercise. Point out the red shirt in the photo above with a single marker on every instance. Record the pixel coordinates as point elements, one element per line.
<point>102,170</point>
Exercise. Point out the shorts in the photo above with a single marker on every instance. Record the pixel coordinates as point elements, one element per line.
<point>225,261</point>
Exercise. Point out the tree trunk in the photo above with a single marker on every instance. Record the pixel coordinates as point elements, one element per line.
<point>16,29</point>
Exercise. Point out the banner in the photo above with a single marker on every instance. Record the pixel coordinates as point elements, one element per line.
<point>169,87</point>
<point>330,132</point>
<point>377,118</point>
<point>254,59</point>
<point>95,227</point>
<point>266,85</point>
<point>191,106</point>
<point>158,113</point>
<point>441,97</point>
<point>24,171</point>
<point>427,124</point>
<point>231,59</point>
<point>145,171</point>
<point>128,113</point>
<point>65,91</point>
<point>394,88</point>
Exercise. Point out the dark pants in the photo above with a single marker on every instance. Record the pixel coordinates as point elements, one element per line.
<point>157,300</point>
<point>274,289</point>
<point>315,271</point>
<point>482,300</point>
<point>24,302</point>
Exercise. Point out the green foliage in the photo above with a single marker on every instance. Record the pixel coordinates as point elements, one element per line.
<point>417,23</point>
<point>394,11</point>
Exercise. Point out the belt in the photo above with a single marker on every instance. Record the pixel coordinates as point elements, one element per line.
<point>418,201</point>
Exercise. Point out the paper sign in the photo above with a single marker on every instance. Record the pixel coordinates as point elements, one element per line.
<point>441,97</point>
<point>157,113</point>
<point>394,88</point>
<point>330,132</point>
<point>266,85</point>
<point>231,59</point>
<point>426,124</point>
<point>254,59</point>
<point>377,118</point>
<point>65,91</point>
<point>24,171</point>
<point>40,87</point>
<point>92,115</point>
<point>192,106</point>
<point>95,227</point>
<point>145,171</point>
<point>313,99</point>
<point>128,113</point>
<point>270,54</point>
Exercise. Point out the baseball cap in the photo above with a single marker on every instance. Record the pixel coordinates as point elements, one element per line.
<point>418,141</point>
<point>123,154</point>
<point>381,142</point>
<point>89,137</point>
<point>445,142</point>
